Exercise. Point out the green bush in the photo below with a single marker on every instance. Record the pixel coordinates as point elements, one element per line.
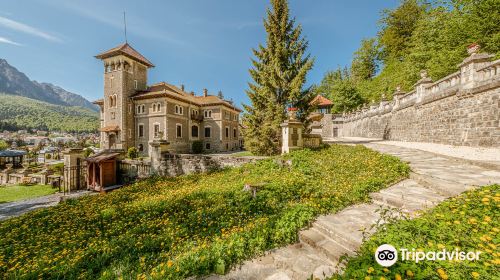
<point>132,153</point>
<point>175,228</point>
<point>469,222</point>
<point>197,147</point>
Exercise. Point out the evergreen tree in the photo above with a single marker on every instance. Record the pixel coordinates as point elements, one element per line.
<point>279,74</point>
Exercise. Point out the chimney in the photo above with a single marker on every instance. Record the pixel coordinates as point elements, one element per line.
<point>205,92</point>
<point>182,87</point>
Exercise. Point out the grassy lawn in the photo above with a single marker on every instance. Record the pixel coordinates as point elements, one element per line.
<point>17,192</point>
<point>172,228</point>
<point>469,222</point>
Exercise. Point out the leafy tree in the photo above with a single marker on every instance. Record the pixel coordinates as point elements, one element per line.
<point>87,152</point>
<point>398,26</point>
<point>279,74</point>
<point>341,90</point>
<point>364,65</point>
<point>3,145</point>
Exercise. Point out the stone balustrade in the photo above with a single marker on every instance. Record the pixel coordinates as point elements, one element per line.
<point>459,109</point>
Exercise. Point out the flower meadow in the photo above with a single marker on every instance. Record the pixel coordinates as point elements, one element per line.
<point>469,222</point>
<point>172,228</point>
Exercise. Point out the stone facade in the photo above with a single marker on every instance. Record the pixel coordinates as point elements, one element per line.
<point>460,109</point>
<point>134,114</point>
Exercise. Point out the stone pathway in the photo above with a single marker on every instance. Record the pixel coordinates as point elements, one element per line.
<point>433,179</point>
<point>16,208</point>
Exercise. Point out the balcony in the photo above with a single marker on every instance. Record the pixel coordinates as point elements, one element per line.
<point>197,117</point>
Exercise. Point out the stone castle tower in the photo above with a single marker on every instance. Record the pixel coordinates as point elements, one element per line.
<point>125,73</point>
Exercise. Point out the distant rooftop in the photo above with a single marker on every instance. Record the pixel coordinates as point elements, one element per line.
<point>12,153</point>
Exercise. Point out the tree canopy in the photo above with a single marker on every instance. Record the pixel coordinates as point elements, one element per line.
<point>431,35</point>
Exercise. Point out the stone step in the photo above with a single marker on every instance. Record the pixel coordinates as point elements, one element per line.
<point>300,262</point>
<point>328,247</point>
<point>443,187</point>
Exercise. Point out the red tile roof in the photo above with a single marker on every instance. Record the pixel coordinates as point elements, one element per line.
<point>127,50</point>
<point>319,100</point>
<point>164,89</point>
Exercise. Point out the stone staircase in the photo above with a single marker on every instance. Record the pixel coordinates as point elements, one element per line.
<point>322,246</point>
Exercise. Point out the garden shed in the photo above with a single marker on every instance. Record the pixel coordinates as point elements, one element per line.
<point>102,171</point>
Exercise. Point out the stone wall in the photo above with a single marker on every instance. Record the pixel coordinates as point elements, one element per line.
<point>179,164</point>
<point>460,109</point>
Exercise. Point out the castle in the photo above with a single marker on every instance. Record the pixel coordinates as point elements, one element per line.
<point>133,114</point>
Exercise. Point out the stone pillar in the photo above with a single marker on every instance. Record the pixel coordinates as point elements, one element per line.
<point>156,149</point>
<point>291,133</point>
<point>468,68</point>
<point>421,85</point>
<point>73,159</point>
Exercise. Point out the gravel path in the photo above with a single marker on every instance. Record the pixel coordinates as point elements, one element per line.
<point>16,208</point>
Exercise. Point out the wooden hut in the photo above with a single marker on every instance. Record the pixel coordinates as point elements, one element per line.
<point>101,171</point>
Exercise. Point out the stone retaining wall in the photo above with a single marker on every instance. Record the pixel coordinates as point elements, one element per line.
<point>179,164</point>
<point>460,109</point>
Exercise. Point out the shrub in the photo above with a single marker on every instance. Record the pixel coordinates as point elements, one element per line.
<point>132,153</point>
<point>197,147</point>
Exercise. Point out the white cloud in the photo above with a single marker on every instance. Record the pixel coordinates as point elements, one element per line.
<point>8,41</point>
<point>21,27</point>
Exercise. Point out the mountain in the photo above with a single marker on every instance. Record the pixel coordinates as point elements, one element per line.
<point>19,112</point>
<point>14,82</point>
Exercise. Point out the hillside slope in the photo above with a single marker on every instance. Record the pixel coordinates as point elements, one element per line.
<point>14,82</point>
<point>17,112</point>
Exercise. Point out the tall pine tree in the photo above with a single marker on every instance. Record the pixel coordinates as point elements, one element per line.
<point>279,74</point>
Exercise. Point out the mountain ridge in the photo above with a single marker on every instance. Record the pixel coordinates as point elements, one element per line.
<point>15,82</point>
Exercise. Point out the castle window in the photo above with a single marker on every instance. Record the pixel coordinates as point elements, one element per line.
<point>208,113</point>
<point>176,109</point>
<point>227,132</point>
<point>154,107</point>
<point>234,133</point>
<point>136,84</point>
<point>178,128</point>
<point>208,131</point>
<point>141,148</point>
<point>207,146</point>
<point>194,131</point>
<point>143,109</point>
<point>141,130</point>
<point>181,110</point>
<point>156,129</point>
<point>158,107</point>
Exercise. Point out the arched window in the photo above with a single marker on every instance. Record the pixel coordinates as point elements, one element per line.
<point>158,107</point>
<point>176,109</point>
<point>111,102</point>
<point>143,109</point>
<point>154,107</point>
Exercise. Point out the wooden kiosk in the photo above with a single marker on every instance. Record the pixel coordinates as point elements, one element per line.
<point>102,171</point>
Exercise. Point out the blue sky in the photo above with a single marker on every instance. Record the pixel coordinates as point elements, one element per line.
<point>201,44</point>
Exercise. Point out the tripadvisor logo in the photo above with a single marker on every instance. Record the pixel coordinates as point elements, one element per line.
<point>386,255</point>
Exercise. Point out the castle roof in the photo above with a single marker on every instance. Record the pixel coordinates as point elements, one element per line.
<point>126,50</point>
<point>319,100</point>
<point>164,89</point>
